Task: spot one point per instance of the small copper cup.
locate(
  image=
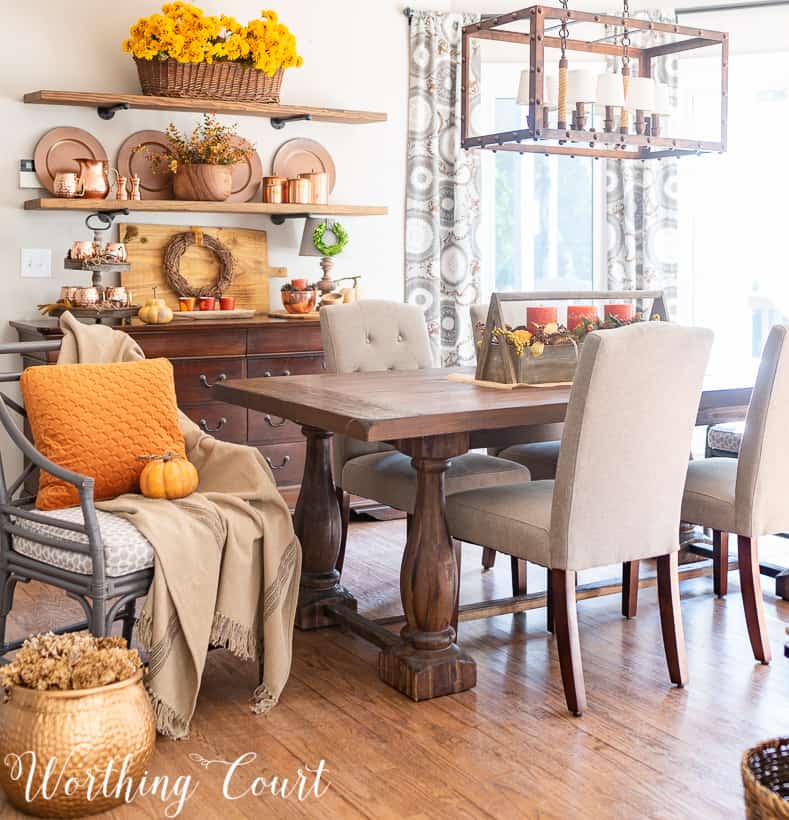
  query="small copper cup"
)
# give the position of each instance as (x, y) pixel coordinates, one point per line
(116, 251)
(82, 250)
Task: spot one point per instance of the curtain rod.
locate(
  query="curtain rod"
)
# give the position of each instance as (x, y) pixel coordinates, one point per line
(752, 4)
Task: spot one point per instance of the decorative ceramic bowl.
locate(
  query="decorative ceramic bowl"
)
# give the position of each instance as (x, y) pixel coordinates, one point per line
(299, 301)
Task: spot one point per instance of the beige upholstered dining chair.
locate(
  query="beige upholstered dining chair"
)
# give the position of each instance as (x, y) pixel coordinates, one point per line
(374, 335)
(618, 486)
(747, 495)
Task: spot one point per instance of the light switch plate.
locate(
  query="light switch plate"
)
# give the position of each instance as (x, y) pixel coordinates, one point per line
(36, 263)
(28, 179)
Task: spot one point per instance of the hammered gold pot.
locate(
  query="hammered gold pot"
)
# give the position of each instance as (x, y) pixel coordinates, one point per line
(80, 730)
(203, 183)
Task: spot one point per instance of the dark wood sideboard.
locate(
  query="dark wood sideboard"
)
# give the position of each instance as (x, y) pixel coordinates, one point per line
(204, 352)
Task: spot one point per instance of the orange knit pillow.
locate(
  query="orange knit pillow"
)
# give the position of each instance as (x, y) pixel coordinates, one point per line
(97, 419)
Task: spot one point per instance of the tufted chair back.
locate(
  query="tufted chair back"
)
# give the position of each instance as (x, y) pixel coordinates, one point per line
(367, 336)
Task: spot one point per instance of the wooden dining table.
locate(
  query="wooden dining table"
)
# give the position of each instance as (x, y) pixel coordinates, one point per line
(432, 418)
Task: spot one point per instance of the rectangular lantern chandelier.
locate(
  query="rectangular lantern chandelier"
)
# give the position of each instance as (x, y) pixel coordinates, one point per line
(617, 114)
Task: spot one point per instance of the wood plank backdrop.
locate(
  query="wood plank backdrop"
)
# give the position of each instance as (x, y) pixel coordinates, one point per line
(146, 243)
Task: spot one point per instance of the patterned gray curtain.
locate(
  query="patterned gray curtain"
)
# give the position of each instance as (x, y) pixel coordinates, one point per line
(641, 200)
(442, 273)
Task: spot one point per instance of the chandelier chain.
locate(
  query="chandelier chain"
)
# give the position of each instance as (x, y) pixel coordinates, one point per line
(625, 33)
(563, 29)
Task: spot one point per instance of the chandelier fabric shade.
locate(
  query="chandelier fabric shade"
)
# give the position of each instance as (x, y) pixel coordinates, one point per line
(575, 129)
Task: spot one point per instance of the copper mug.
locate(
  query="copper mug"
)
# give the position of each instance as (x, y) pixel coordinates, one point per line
(320, 186)
(82, 250)
(93, 174)
(69, 293)
(85, 297)
(115, 251)
(117, 295)
(68, 185)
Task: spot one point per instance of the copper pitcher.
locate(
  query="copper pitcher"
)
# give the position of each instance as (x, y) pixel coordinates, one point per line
(93, 176)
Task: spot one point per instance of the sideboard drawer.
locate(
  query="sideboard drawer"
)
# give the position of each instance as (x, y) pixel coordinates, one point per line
(174, 345)
(263, 428)
(194, 378)
(224, 421)
(286, 461)
(284, 366)
(285, 338)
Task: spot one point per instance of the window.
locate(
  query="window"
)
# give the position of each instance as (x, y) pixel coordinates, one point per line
(542, 213)
(733, 211)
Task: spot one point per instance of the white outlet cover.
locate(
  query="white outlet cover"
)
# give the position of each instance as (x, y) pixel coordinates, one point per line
(36, 263)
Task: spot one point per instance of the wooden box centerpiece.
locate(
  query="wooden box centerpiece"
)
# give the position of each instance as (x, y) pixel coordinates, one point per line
(527, 344)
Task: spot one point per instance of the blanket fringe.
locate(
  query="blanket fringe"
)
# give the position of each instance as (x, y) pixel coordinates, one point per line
(235, 637)
(263, 700)
(168, 722)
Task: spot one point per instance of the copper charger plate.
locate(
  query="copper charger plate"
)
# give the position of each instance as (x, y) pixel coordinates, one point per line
(246, 175)
(131, 162)
(303, 156)
(59, 149)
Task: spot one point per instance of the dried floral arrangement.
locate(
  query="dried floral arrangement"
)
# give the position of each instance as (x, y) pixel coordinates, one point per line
(72, 661)
(211, 143)
(183, 33)
(553, 333)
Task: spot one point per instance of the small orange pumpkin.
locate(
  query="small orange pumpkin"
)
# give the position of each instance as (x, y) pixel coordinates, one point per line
(168, 476)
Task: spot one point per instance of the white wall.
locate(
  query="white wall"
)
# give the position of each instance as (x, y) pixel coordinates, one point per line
(355, 56)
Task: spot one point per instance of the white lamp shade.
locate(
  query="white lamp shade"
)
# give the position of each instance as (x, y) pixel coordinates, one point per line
(581, 86)
(523, 89)
(611, 90)
(551, 93)
(640, 94)
(662, 104)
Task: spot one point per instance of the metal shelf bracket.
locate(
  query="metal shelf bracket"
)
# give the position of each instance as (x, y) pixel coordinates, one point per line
(107, 112)
(280, 122)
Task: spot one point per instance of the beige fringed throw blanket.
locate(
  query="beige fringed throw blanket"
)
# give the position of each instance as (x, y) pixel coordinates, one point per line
(227, 560)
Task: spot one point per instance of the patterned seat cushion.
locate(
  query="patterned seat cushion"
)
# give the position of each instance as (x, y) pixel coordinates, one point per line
(126, 549)
(726, 438)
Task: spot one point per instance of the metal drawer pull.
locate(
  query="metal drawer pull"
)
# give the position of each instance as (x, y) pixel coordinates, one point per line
(271, 423)
(276, 467)
(204, 380)
(203, 425)
(268, 374)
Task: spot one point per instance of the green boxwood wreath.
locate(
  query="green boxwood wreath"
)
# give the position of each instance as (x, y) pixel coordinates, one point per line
(340, 234)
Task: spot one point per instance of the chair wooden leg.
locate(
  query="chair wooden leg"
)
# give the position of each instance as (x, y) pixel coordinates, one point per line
(566, 625)
(671, 618)
(518, 571)
(751, 587)
(344, 500)
(7, 587)
(720, 562)
(488, 558)
(129, 619)
(630, 588)
(458, 547)
(548, 602)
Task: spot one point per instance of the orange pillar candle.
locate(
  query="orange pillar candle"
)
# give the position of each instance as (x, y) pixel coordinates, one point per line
(539, 316)
(622, 312)
(577, 313)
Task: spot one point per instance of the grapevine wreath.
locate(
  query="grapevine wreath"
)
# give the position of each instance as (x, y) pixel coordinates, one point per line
(176, 248)
(340, 234)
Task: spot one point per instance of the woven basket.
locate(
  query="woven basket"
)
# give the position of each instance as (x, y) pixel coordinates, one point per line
(216, 81)
(765, 775)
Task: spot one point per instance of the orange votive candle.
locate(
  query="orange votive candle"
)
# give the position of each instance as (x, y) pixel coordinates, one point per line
(577, 313)
(539, 316)
(622, 312)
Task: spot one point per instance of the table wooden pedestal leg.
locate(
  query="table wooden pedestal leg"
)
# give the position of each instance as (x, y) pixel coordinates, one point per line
(427, 662)
(319, 528)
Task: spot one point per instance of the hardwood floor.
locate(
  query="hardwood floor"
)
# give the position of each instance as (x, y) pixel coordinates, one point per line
(508, 748)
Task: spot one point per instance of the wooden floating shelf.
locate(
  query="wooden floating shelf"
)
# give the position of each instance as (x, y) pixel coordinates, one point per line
(183, 206)
(108, 102)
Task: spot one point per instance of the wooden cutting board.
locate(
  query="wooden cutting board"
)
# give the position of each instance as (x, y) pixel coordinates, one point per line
(145, 245)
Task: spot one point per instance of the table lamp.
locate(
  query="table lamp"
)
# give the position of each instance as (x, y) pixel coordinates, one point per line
(326, 284)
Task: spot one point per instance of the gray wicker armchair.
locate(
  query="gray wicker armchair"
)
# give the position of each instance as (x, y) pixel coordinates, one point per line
(98, 559)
